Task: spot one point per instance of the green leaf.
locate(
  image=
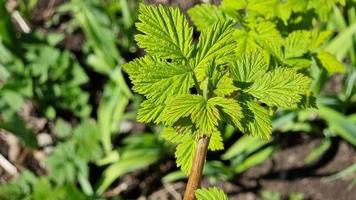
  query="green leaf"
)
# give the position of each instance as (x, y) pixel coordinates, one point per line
(255, 159)
(133, 160)
(232, 5)
(282, 87)
(215, 44)
(261, 35)
(269, 195)
(166, 32)
(173, 176)
(65, 164)
(216, 141)
(318, 151)
(340, 45)
(245, 145)
(172, 136)
(205, 15)
(184, 154)
(297, 44)
(149, 111)
(251, 8)
(212, 193)
(330, 63)
(250, 67)
(261, 7)
(87, 139)
(225, 86)
(203, 113)
(181, 106)
(100, 37)
(257, 121)
(339, 123)
(158, 79)
(62, 129)
(230, 109)
(318, 38)
(186, 146)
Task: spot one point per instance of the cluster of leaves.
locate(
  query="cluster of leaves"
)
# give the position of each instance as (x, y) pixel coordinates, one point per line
(273, 27)
(227, 85)
(249, 61)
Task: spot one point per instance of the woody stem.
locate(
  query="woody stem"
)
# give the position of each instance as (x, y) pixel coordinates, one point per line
(196, 172)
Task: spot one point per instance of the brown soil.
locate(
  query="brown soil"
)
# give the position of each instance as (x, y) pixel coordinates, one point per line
(285, 172)
(289, 174)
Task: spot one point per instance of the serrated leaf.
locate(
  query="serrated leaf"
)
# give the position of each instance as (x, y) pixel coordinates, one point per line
(261, 7)
(166, 32)
(205, 15)
(252, 8)
(330, 63)
(216, 141)
(181, 106)
(206, 117)
(215, 44)
(202, 112)
(297, 44)
(284, 11)
(212, 193)
(232, 5)
(318, 38)
(257, 121)
(282, 87)
(185, 154)
(261, 35)
(297, 63)
(171, 135)
(250, 67)
(225, 86)
(149, 111)
(230, 109)
(158, 79)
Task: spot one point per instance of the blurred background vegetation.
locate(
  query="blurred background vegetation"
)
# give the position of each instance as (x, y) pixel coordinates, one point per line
(67, 114)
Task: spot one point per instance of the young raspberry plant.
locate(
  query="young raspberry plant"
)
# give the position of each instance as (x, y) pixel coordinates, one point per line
(193, 87)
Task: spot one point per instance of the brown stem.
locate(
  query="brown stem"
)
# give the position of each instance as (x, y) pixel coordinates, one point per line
(197, 168)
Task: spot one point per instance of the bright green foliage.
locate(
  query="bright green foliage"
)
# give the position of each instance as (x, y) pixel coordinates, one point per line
(250, 67)
(259, 34)
(216, 45)
(282, 87)
(200, 17)
(212, 193)
(158, 79)
(228, 86)
(258, 28)
(283, 10)
(257, 121)
(330, 63)
(166, 32)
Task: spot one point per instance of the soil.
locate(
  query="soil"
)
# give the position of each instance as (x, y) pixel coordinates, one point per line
(285, 172)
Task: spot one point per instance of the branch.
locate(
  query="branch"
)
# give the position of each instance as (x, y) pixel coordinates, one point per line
(197, 168)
